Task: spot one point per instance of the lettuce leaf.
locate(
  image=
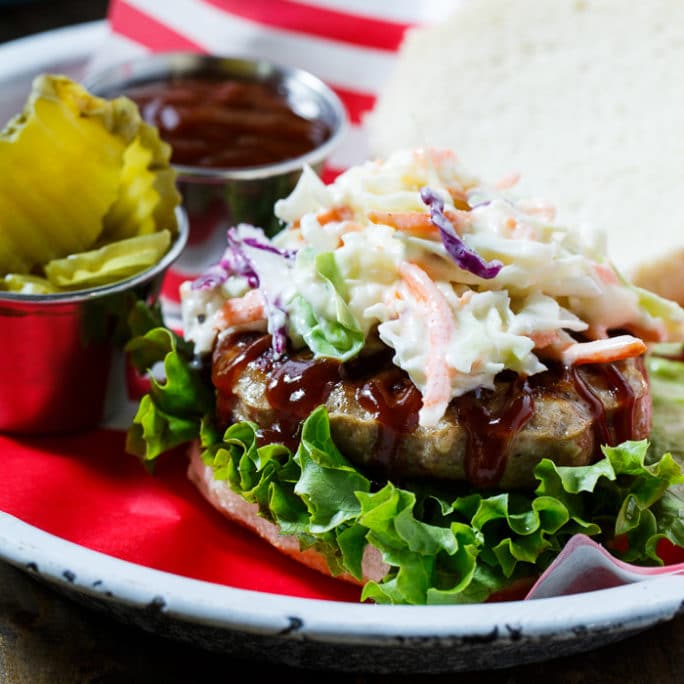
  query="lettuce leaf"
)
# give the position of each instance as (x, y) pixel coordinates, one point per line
(449, 549)
(667, 392)
(172, 412)
(340, 338)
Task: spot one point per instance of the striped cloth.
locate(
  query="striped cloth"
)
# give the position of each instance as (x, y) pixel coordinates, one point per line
(349, 44)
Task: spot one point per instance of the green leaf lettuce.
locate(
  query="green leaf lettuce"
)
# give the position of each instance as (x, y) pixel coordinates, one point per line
(442, 546)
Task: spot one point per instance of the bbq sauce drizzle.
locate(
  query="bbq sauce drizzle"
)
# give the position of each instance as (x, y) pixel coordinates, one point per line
(230, 358)
(394, 402)
(619, 429)
(298, 385)
(490, 432)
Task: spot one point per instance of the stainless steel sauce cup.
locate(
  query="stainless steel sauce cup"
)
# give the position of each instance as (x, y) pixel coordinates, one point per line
(216, 198)
(60, 354)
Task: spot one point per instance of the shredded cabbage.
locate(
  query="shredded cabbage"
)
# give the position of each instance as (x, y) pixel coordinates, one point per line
(505, 287)
(463, 257)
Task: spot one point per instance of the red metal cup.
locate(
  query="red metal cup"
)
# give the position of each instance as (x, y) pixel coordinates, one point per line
(60, 354)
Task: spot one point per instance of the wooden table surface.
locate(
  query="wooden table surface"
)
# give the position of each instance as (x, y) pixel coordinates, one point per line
(47, 639)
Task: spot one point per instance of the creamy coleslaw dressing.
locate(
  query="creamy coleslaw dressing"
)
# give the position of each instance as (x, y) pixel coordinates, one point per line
(451, 329)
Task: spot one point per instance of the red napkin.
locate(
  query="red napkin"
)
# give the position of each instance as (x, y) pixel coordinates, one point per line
(86, 489)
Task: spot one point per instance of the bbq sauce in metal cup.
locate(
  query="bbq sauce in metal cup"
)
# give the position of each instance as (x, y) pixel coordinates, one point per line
(227, 123)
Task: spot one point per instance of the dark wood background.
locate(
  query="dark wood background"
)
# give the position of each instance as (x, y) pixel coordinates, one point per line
(46, 639)
(21, 17)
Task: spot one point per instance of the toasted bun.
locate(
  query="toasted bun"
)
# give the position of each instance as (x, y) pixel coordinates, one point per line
(235, 508)
(580, 97)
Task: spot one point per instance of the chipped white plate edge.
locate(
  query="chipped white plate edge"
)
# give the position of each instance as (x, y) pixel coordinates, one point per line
(627, 608)
(589, 619)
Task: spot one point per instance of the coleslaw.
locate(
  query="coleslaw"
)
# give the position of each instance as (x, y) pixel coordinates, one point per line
(460, 278)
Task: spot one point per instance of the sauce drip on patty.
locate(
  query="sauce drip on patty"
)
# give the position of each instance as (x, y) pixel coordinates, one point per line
(491, 429)
(621, 428)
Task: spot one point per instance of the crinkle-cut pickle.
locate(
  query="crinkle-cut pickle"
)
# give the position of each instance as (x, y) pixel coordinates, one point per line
(26, 284)
(78, 172)
(107, 264)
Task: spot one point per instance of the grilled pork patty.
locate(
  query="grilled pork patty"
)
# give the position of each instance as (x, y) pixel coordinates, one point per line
(489, 437)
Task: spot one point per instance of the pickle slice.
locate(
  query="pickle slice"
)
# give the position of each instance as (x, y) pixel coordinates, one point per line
(26, 284)
(148, 195)
(76, 172)
(108, 264)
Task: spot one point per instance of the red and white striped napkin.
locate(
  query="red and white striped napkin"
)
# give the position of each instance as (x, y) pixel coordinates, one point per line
(349, 44)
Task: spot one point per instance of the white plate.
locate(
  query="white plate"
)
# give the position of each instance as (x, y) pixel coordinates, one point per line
(309, 632)
(335, 635)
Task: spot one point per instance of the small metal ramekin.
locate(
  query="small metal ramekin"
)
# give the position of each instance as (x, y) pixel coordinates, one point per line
(60, 354)
(217, 198)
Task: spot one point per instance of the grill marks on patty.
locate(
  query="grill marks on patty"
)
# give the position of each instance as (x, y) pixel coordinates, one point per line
(489, 437)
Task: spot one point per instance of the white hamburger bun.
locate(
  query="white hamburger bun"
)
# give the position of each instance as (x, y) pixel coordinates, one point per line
(219, 494)
(582, 98)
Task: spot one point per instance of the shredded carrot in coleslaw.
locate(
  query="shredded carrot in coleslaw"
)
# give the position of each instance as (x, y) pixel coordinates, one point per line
(440, 329)
(249, 308)
(603, 351)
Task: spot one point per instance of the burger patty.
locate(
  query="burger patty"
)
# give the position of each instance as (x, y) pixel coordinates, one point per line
(488, 437)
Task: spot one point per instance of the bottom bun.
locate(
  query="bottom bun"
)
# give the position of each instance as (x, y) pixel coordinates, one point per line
(234, 507)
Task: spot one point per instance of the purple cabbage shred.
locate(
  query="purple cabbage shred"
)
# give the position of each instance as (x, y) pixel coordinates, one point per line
(235, 262)
(213, 277)
(463, 256)
(288, 254)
